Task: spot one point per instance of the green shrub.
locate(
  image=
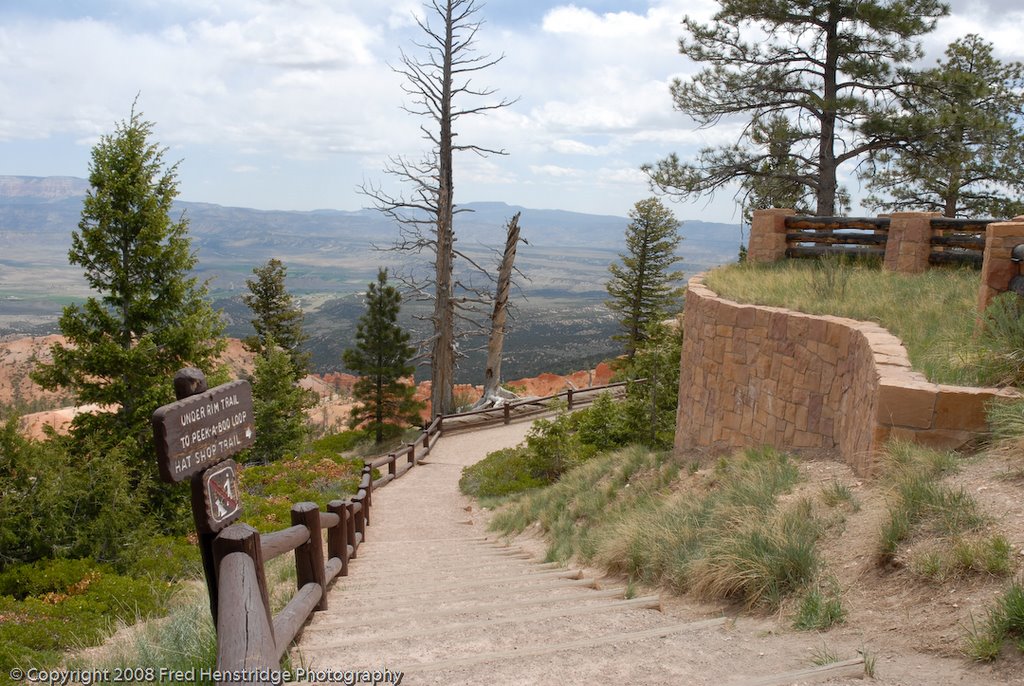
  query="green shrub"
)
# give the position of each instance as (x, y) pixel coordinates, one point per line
(76, 605)
(58, 505)
(318, 475)
(501, 473)
(649, 410)
(341, 442)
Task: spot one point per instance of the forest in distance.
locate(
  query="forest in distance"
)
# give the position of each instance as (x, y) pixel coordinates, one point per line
(561, 323)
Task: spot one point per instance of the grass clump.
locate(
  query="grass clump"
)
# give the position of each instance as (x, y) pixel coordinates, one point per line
(1004, 622)
(932, 313)
(938, 526)
(836, 494)
(185, 639)
(820, 608)
(717, 533)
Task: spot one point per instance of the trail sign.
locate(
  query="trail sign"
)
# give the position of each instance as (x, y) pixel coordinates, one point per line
(199, 431)
(221, 498)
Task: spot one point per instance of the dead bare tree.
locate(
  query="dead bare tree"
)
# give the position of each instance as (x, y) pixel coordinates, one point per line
(435, 81)
(493, 392)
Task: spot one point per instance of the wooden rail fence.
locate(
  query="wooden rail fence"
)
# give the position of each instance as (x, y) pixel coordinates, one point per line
(953, 241)
(250, 639)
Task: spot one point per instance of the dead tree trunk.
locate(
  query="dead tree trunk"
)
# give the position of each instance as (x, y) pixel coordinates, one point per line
(492, 375)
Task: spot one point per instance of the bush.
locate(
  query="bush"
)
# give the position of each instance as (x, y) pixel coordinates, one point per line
(341, 442)
(658, 362)
(501, 473)
(318, 475)
(58, 505)
(64, 604)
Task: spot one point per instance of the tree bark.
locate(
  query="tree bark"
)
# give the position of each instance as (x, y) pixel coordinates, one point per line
(496, 341)
(442, 360)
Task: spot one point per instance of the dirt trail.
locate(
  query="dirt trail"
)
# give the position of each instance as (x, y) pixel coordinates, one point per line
(436, 596)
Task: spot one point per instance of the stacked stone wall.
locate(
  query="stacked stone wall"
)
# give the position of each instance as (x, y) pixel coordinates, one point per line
(754, 375)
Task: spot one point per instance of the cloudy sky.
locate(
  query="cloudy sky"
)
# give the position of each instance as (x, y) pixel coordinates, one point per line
(291, 104)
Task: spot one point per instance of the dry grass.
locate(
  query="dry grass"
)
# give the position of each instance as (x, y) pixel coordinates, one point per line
(932, 313)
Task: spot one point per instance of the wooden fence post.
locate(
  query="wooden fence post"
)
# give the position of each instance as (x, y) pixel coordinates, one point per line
(350, 526)
(507, 409)
(309, 557)
(440, 421)
(568, 396)
(242, 538)
(337, 536)
(391, 464)
(368, 500)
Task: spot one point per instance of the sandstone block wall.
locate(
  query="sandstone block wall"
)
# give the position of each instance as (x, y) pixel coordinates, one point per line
(754, 375)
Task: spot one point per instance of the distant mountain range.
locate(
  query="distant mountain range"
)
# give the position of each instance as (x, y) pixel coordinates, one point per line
(331, 255)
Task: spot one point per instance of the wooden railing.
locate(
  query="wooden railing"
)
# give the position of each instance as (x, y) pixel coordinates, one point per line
(953, 241)
(250, 639)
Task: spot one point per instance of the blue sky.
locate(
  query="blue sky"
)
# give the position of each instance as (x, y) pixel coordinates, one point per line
(290, 104)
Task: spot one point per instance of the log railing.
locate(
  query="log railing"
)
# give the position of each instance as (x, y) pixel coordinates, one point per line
(250, 639)
(953, 241)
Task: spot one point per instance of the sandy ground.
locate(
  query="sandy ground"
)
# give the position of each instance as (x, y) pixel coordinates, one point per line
(434, 595)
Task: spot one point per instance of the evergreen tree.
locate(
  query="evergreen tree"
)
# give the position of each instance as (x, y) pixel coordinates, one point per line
(149, 317)
(964, 147)
(279, 405)
(276, 315)
(381, 358)
(641, 288)
(827, 66)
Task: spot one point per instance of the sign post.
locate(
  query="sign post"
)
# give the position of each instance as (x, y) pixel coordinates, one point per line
(194, 438)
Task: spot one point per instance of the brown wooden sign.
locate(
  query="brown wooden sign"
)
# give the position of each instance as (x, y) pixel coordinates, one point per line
(197, 432)
(220, 498)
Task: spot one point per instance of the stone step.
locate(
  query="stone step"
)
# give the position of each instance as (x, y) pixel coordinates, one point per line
(652, 602)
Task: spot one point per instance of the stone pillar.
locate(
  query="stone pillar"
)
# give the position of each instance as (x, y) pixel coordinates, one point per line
(909, 243)
(997, 270)
(768, 235)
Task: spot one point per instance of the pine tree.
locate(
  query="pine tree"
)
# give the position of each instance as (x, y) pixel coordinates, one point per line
(149, 317)
(964, 147)
(828, 66)
(276, 315)
(641, 288)
(381, 358)
(279, 405)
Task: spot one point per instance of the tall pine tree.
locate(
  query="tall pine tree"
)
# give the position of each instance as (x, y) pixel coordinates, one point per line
(149, 317)
(828, 66)
(642, 288)
(381, 358)
(276, 314)
(964, 141)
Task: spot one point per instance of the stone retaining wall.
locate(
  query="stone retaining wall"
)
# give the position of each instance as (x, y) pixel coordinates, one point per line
(754, 375)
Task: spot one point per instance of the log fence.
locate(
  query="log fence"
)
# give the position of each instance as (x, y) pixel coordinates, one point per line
(952, 241)
(250, 639)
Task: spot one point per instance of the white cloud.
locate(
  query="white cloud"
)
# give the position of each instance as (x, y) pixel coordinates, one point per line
(554, 170)
(571, 147)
